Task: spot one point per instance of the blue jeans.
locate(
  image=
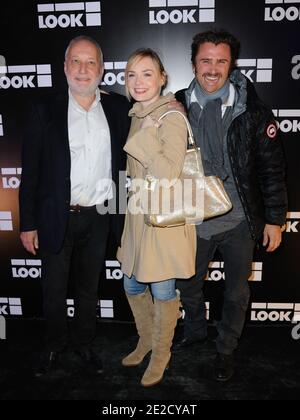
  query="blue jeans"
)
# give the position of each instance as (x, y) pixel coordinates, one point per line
(163, 290)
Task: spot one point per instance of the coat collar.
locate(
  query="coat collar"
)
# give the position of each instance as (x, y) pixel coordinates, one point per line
(139, 112)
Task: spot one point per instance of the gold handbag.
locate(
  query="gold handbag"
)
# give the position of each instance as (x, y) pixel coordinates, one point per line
(191, 199)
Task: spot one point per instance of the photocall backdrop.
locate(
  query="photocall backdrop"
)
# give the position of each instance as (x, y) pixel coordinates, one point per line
(34, 36)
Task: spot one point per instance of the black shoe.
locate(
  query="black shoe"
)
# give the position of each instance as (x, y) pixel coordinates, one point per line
(185, 343)
(224, 367)
(46, 363)
(91, 360)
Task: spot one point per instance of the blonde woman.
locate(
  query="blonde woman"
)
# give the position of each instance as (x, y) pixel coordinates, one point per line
(152, 258)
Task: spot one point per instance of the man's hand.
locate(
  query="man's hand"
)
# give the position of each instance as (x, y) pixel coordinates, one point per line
(30, 241)
(149, 122)
(177, 106)
(272, 237)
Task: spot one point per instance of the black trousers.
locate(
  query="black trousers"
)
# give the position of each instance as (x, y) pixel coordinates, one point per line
(236, 248)
(83, 253)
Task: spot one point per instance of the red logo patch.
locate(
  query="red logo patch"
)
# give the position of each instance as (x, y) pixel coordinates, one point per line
(272, 131)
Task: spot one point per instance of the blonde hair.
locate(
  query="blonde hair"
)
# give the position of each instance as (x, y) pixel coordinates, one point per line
(139, 55)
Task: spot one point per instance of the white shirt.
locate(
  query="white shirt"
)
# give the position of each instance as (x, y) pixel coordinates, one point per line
(90, 145)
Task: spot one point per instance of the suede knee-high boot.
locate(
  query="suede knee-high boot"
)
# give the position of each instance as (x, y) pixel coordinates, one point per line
(143, 310)
(166, 314)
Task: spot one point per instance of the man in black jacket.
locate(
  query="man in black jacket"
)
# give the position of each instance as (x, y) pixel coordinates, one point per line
(72, 155)
(240, 144)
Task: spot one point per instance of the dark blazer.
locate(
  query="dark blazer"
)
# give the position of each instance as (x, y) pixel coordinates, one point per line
(45, 190)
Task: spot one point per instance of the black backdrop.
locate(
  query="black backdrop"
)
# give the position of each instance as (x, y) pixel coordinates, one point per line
(34, 36)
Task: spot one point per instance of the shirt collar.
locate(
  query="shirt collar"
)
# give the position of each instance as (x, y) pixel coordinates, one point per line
(94, 104)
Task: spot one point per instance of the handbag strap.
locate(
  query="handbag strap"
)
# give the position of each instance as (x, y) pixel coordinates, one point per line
(191, 138)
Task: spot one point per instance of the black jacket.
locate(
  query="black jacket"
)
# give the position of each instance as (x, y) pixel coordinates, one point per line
(258, 163)
(45, 190)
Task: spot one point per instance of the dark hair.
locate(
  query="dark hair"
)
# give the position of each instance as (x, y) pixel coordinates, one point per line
(217, 37)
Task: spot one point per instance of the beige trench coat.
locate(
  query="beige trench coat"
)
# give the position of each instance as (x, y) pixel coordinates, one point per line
(156, 254)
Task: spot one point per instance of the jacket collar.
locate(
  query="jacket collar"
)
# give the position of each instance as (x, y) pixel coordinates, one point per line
(139, 112)
(240, 84)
